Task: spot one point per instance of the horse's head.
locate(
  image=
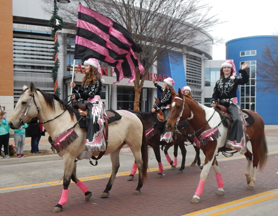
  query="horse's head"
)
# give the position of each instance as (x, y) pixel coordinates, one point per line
(26, 107)
(179, 110)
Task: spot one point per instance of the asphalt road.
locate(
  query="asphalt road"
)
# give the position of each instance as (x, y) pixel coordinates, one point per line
(42, 171)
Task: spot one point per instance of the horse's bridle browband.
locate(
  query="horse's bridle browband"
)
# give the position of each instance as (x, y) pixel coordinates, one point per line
(38, 109)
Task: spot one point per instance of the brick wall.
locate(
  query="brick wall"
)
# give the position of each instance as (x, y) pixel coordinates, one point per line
(6, 48)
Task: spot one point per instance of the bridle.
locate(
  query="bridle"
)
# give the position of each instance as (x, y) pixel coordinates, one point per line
(191, 117)
(38, 109)
(181, 112)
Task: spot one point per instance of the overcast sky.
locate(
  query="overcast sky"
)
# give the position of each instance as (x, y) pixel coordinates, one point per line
(243, 18)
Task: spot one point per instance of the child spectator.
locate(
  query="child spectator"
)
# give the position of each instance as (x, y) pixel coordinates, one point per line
(19, 140)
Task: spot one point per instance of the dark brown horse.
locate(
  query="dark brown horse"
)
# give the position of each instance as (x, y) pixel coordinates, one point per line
(212, 134)
(153, 132)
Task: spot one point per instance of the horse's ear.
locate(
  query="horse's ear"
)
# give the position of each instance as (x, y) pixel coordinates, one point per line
(24, 87)
(180, 94)
(32, 87)
(173, 93)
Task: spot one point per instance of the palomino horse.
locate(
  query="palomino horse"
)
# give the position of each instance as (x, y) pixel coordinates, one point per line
(212, 134)
(58, 118)
(153, 138)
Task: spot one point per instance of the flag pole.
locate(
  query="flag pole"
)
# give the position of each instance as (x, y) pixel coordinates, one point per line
(72, 76)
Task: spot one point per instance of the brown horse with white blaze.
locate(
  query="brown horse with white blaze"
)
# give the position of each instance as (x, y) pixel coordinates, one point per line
(58, 119)
(208, 126)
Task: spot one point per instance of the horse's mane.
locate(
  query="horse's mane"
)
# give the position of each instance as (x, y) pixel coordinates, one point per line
(50, 98)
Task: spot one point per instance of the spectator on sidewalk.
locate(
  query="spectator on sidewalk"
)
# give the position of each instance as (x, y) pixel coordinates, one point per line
(19, 140)
(4, 134)
(34, 131)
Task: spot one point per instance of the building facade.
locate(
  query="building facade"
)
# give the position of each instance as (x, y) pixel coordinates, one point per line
(251, 49)
(33, 61)
(247, 49)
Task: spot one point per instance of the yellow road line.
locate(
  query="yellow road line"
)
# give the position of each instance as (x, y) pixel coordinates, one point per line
(246, 199)
(244, 205)
(102, 176)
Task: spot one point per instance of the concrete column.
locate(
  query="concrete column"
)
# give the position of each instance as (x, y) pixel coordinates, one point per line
(113, 97)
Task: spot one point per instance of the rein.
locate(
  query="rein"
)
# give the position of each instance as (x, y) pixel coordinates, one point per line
(38, 110)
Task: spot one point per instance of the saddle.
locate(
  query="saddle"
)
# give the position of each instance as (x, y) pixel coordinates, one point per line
(112, 115)
(80, 111)
(160, 115)
(225, 117)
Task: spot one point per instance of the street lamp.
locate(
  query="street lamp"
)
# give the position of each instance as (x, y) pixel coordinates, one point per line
(56, 23)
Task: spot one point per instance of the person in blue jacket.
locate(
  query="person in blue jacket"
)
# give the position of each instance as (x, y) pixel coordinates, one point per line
(19, 140)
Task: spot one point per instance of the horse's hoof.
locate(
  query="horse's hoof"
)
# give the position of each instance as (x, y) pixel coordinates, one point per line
(192, 164)
(130, 177)
(88, 195)
(58, 208)
(220, 192)
(250, 187)
(160, 175)
(195, 200)
(180, 172)
(104, 195)
(136, 192)
(173, 167)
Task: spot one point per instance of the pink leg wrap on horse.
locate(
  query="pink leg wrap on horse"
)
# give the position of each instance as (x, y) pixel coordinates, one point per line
(200, 188)
(64, 198)
(160, 166)
(133, 170)
(82, 186)
(219, 180)
(175, 161)
(168, 158)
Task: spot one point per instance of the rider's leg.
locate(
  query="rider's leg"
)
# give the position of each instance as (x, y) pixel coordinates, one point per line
(166, 136)
(236, 139)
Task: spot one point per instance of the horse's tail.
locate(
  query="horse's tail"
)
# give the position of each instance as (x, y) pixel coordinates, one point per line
(144, 151)
(263, 153)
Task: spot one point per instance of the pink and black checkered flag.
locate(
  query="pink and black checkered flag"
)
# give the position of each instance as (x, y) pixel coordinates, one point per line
(101, 38)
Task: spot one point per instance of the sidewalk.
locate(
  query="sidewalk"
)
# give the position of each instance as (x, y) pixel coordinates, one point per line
(45, 146)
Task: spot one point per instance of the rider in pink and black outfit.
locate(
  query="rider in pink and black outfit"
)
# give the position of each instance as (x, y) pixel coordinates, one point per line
(164, 104)
(90, 90)
(225, 92)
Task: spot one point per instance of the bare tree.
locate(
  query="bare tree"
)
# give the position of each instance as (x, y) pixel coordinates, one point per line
(267, 67)
(158, 26)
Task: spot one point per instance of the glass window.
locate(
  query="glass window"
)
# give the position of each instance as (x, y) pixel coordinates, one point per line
(248, 53)
(125, 96)
(252, 91)
(207, 102)
(248, 91)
